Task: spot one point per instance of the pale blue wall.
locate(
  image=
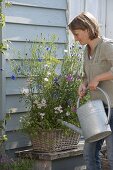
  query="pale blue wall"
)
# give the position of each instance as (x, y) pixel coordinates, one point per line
(24, 20)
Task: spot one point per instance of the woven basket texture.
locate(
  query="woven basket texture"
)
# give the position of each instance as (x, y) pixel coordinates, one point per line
(54, 141)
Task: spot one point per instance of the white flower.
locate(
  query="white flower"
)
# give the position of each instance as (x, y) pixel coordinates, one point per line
(43, 102)
(48, 73)
(46, 66)
(36, 102)
(40, 105)
(46, 79)
(25, 91)
(58, 109)
(42, 115)
(65, 51)
(21, 119)
(67, 114)
(13, 110)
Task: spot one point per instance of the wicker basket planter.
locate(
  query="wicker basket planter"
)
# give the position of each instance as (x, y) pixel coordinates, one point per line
(55, 140)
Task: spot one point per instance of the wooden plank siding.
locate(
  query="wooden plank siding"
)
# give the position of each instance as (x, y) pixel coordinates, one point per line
(25, 20)
(52, 4)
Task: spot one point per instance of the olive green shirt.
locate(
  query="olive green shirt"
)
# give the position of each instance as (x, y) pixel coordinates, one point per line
(100, 62)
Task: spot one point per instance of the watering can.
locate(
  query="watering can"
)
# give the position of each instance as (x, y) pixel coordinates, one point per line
(93, 119)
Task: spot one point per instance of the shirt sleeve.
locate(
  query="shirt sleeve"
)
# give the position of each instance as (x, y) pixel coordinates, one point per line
(109, 53)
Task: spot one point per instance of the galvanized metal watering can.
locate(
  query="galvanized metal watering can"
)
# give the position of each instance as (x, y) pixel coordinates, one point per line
(93, 119)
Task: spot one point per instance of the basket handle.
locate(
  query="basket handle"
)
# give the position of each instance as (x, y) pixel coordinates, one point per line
(108, 102)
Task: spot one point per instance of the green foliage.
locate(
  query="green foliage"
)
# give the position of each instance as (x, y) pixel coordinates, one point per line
(8, 4)
(19, 164)
(3, 47)
(22, 164)
(3, 122)
(3, 44)
(49, 95)
(2, 20)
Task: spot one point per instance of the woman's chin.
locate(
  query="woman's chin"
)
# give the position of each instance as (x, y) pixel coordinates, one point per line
(82, 43)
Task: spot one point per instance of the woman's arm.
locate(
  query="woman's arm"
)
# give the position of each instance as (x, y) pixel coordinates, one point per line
(102, 77)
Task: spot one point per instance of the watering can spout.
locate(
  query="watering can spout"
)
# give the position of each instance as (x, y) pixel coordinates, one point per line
(71, 126)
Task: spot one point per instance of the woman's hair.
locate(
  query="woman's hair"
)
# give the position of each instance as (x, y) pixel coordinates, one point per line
(85, 21)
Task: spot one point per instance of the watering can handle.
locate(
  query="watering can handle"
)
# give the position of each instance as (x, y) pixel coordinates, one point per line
(108, 102)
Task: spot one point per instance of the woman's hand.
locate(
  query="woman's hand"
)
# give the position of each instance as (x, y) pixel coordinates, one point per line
(93, 84)
(82, 90)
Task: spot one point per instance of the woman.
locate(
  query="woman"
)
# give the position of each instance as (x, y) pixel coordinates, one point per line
(98, 71)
